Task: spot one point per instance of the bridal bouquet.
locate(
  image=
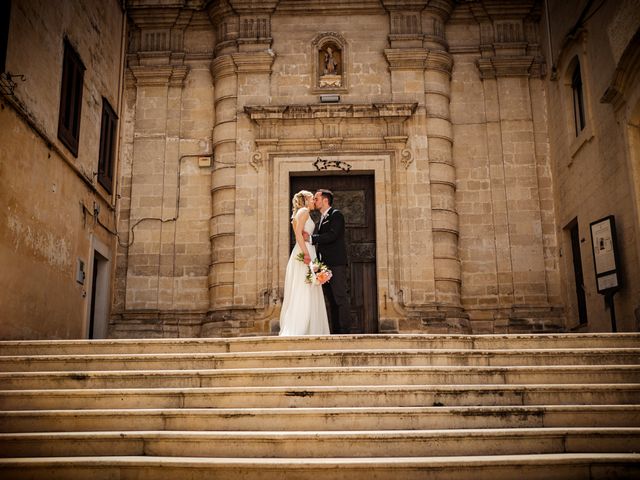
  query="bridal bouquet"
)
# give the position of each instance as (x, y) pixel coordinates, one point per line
(317, 272)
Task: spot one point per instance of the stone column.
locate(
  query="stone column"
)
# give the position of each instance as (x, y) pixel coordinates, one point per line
(223, 186)
(437, 80)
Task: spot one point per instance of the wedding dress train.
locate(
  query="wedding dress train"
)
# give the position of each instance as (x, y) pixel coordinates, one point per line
(303, 310)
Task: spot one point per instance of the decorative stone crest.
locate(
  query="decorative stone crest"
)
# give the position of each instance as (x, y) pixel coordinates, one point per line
(322, 164)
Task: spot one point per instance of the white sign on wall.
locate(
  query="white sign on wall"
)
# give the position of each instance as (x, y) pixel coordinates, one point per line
(605, 253)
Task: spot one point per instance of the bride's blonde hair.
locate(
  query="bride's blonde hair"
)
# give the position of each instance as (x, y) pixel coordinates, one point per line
(298, 201)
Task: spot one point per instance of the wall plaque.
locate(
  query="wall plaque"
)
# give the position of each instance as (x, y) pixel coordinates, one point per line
(605, 254)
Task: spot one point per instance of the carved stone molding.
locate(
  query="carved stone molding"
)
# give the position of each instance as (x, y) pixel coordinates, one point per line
(324, 164)
(418, 59)
(624, 75)
(223, 66)
(256, 160)
(159, 75)
(385, 131)
(406, 58)
(253, 62)
(439, 60)
(527, 66)
(329, 7)
(406, 157)
(298, 112)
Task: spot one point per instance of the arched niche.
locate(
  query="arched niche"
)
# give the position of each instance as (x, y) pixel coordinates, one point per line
(329, 57)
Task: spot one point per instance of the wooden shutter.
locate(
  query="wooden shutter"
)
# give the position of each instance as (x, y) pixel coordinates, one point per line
(107, 145)
(71, 99)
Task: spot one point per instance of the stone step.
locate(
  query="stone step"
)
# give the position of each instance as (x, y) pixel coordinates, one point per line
(397, 406)
(333, 342)
(322, 376)
(318, 396)
(352, 444)
(319, 358)
(319, 419)
(595, 466)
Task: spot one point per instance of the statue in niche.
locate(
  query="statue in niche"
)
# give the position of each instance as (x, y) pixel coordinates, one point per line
(330, 60)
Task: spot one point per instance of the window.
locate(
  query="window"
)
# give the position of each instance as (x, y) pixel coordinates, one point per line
(578, 100)
(5, 13)
(107, 145)
(70, 99)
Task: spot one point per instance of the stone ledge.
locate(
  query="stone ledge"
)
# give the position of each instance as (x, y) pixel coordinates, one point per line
(298, 112)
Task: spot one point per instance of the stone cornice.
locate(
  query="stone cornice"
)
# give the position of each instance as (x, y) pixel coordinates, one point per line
(418, 59)
(297, 112)
(329, 7)
(522, 66)
(172, 75)
(404, 4)
(253, 62)
(159, 17)
(251, 7)
(406, 58)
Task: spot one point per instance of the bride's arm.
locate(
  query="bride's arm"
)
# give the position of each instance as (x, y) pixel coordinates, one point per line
(298, 226)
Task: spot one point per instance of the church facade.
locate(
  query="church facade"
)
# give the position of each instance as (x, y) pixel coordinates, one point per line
(446, 129)
(440, 106)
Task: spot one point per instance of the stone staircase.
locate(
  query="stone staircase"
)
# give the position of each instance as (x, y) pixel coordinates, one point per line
(384, 407)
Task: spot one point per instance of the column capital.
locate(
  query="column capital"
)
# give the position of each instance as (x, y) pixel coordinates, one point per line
(520, 66)
(253, 62)
(222, 66)
(172, 75)
(406, 58)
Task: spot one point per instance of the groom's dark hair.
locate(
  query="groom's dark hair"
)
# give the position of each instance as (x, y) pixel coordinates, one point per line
(328, 194)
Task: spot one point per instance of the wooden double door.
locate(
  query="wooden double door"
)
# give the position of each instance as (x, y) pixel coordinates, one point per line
(354, 196)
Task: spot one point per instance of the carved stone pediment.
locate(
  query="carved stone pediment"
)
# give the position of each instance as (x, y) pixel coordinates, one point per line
(330, 127)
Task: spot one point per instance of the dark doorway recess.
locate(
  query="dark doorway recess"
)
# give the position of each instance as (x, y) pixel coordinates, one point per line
(577, 271)
(354, 196)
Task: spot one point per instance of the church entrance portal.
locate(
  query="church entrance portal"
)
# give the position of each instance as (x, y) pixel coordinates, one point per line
(354, 197)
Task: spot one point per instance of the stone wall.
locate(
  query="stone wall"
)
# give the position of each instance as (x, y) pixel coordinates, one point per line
(596, 171)
(54, 213)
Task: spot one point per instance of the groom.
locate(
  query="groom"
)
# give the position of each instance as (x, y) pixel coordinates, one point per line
(328, 237)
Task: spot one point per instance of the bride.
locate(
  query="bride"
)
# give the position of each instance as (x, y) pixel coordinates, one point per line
(303, 311)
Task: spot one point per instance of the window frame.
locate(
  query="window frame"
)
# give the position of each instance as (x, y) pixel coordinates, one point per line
(72, 85)
(106, 156)
(579, 114)
(5, 22)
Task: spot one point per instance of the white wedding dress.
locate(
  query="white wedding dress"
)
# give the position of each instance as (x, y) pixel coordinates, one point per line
(303, 311)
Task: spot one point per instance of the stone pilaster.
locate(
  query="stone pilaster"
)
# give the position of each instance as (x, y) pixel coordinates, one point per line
(252, 292)
(223, 185)
(241, 70)
(437, 79)
(510, 66)
(421, 66)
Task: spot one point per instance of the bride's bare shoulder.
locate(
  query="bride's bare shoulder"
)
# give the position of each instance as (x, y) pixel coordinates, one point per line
(302, 212)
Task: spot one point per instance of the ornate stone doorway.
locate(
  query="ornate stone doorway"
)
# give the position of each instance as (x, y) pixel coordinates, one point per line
(354, 196)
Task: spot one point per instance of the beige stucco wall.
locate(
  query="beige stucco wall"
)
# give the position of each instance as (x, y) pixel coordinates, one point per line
(596, 172)
(47, 194)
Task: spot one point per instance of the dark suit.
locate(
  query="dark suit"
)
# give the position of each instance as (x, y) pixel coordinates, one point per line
(328, 237)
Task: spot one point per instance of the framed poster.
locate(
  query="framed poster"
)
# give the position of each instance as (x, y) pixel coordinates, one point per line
(605, 254)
